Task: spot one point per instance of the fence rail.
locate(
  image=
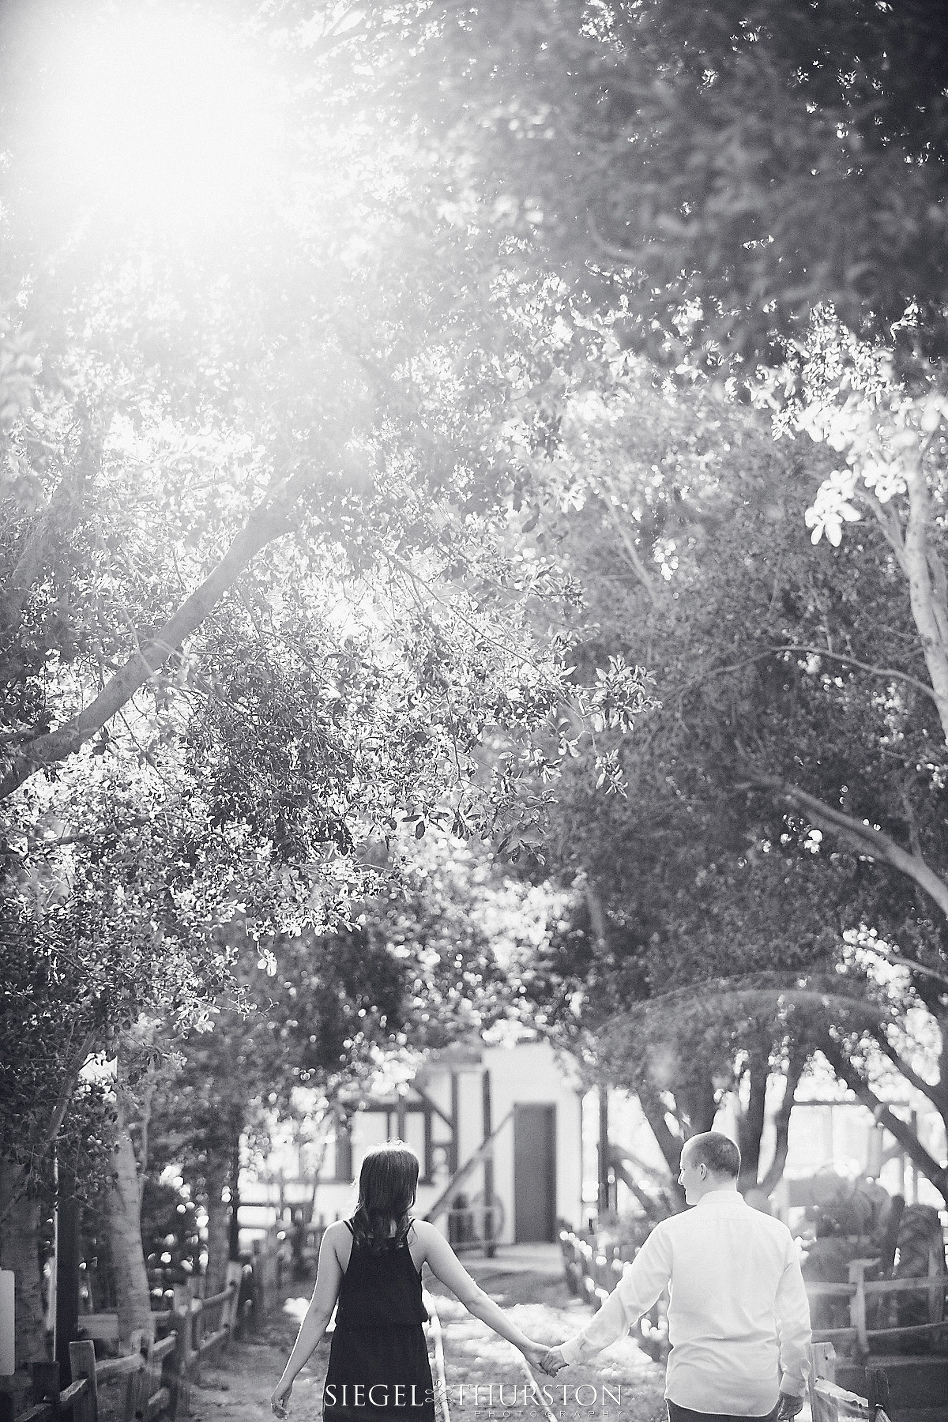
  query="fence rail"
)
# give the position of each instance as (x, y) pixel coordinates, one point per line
(593, 1273)
(831, 1403)
(871, 1303)
(158, 1373)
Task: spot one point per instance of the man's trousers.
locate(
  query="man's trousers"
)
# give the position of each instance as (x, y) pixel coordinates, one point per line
(685, 1414)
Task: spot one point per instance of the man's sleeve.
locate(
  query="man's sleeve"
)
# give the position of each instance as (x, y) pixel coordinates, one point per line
(636, 1291)
(793, 1323)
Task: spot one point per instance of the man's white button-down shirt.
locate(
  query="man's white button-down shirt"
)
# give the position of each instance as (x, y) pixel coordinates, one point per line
(738, 1317)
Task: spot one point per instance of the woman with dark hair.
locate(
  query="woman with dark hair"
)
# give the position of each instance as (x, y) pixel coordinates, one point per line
(371, 1266)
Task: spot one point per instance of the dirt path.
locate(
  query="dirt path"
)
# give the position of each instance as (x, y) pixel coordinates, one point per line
(485, 1376)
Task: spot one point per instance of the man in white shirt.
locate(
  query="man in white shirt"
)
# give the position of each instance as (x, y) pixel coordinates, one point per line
(738, 1317)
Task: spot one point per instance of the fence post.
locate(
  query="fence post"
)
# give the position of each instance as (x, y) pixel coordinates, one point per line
(133, 1388)
(822, 1365)
(45, 1385)
(877, 1387)
(179, 1387)
(82, 1365)
(857, 1303)
(229, 1313)
(197, 1337)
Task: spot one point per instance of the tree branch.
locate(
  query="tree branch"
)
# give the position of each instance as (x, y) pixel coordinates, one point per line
(632, 555)
(866, 838)
(928, 616)
(888, 521)
(268, 521)
(135, 822)
(909, 963)
(654, 1112)
(937, 1095)
(902, 1132)
(815, 651)
(74, 1063)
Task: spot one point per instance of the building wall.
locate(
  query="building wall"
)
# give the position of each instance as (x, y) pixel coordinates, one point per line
(521, 1074)
(526, 1074)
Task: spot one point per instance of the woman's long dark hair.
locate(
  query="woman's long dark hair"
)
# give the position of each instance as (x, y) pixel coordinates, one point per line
(387, 1183)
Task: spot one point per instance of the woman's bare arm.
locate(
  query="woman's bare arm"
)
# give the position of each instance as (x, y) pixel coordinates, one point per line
(445, 1265)
(328, 1278)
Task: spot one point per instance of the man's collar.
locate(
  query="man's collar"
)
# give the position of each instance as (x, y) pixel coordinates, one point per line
(719, 1195)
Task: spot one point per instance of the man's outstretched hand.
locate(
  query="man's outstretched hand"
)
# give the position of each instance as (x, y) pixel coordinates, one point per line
(789, 1406)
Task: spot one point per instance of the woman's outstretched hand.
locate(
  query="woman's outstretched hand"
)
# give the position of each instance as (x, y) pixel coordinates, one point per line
(552, 1361)
(535, 1355)
(280, 1399)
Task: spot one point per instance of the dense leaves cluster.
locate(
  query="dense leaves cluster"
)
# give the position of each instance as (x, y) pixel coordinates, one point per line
(711, 171)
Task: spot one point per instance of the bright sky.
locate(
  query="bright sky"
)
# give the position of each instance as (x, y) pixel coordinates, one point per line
(151, 110)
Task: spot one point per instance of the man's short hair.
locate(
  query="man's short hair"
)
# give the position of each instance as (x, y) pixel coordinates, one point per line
(718, 1152)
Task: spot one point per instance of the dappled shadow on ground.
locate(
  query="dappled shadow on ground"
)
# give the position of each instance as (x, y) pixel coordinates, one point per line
(485, 1376)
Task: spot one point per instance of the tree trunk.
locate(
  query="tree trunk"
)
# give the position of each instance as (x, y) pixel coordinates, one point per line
(928, 609)
(669, 1143)
(218, 1224)
(696, 1103)
(124, 1217)
(19, 1251)
(795, 1066)
(751, 1121)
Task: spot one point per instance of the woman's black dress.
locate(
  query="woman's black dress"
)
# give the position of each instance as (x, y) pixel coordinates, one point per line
(378, 1361)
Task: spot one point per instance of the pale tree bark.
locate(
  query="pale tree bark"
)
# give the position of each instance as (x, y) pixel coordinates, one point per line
(124, 1217)
(19, 1251)
(926, 582)
(669, 1142)
(217, 1175)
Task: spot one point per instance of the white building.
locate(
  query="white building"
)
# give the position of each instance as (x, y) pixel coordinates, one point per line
(498, 1131)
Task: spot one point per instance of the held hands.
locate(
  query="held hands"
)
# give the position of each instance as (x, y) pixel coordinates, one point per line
(544, 1359)
(552, 1361)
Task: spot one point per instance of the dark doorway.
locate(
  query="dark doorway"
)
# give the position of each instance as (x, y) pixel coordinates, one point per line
(534, 1173)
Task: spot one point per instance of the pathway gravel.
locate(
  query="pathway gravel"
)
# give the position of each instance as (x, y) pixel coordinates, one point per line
(485, 1376)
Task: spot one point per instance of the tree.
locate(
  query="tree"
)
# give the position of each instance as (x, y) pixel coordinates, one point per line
(318, 1013)
(712, 172)
(774, 660)
(255, 498)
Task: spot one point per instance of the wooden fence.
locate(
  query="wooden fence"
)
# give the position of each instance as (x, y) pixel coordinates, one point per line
(829, 1403)
(872, 1303)
(155, 1378)
(593, 1274)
